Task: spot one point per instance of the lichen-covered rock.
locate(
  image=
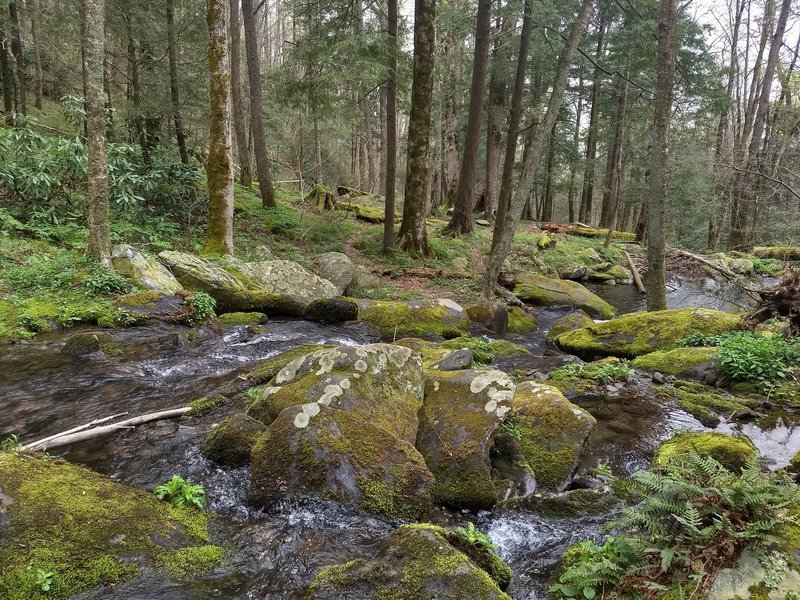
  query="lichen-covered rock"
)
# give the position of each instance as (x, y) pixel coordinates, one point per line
(572, 271)
(747, 579)
(362, 280)
(435, 356)
(416, 562)
(341, 425)
(231, 441)
(553, 433)
(546, 291)
(740, 266)
(492, 315)
(731, 451)
(336, 268)
(87, 530)
(521, 320)
(455, 361)
(419, 317)
(269, 367)
(331, 310)
(143, 270)
(692, 363)
(195, 273)
(289, 278)
(462, 412)
(243, 318)
(82, 344)
(569, 322)
(635, 334)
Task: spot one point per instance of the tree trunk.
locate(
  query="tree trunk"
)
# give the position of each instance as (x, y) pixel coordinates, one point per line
(585, 210)
(504, 197)
(576, 138)
(256, 120)
(239, 122)
(172, 52)
(743, 199)
(98, 246)
(542, 131)
(37, 59)
(16, 50)
(614, 156)
(413, 234)
(547, 198)
(219, 165)
(382, 120)
(140, 132)
(451, 113)
(317, 152)
(390, 172)
(462, 220)
(5, 69)
(665, 73)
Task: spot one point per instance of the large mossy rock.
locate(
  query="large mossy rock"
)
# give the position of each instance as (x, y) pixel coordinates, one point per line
(521, 320)
(731, 451)
(569, 322)
(462, 412)
(291, 279)
(640, 333)
(416, 562)
(337, 268)
(546, 291)
(88, 530)
(553, 433)
(691, 363)
(93, 342)
(436, 356)
(342, 424)
(143, 270)
(415, 318)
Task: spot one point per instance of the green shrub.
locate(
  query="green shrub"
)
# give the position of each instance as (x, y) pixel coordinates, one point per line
(180, 492)
(604, 373)
(202, 305)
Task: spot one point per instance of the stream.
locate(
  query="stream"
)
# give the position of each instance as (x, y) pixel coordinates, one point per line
(274, 555)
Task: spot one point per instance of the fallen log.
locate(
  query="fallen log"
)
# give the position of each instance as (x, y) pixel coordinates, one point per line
(636, 277)
(779, 252)
(712, 265)
(88, 431)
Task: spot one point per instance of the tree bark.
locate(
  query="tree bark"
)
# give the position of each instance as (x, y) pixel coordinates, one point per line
(239, 122)
(585, 210)
(529, 168)
(390, 150)
(98, 246)
(614, 157)
(413, 234)
(665, 73)
(462, 220)
(451, 114)
(547, 199)
(37, 59)
(180, 135)
(219, 165)
(256, 120)
(139, 129)
(5, 68)
(576, 138)
(16, 50)
(504, 197)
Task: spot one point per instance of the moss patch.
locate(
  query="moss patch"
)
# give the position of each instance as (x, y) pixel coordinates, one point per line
(680, 361)
(243, 318)
(206, 404)
(416, 318)
(186, 562)
(732, 451)
(546, 291)
(521, 321)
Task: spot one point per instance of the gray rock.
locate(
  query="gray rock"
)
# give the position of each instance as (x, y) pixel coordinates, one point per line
(230, 442)
(572, 271)
(143, 270)
(362, 280)
(331, 310)
(205, 276)
(482, 223)
(336, 268)
(288, 277)
(741, 266)
(747, 573)
(455, 361)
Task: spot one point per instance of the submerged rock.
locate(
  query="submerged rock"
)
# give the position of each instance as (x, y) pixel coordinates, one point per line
(731, 451)
(419, 317)
(462, 412)
(416, 562)
(552, 433)
(88, 531)
(143, 270)
(82, 344)
(341, 425)
(337, 268)
(243, 318)
(231, 441)
(640, 333)
(540, 290)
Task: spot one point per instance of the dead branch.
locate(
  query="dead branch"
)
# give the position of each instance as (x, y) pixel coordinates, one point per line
(636, 277)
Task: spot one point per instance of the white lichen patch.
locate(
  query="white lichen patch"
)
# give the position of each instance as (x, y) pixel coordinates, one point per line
(327, 360)
(344, 384)
(360, 366)
(487, 378)
(491, 406)
(361, 351)
(311, 409)
(269, 390)
(331, 392)
(446, 302)
(301, 420)
(502, 411)
(289, 372)
(435, 386)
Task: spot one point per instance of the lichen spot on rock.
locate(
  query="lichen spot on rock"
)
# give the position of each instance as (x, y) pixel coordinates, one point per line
(331, 391)
(311, 409)
(288, 372)
(435, 386)
(484, 380)
(491, 406)
(360, 366)
(344, 384)
(450, 304)
(361, 351)
(301, 420)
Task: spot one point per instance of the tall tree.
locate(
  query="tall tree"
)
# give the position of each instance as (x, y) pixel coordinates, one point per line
(256, 118)
(390, 149)
(219, 164)
(576, 137)
(239, 123)
(585, 210)
(656, 209)
(172, 53)
(541, 135)
(5, 68)
(98, 245)
(413, 234)
(462, 220)
(37, 59)
(135, 94)
(450, 125)
(16, 50)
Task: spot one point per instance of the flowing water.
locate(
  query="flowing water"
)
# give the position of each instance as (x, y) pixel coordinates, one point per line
(275, 554)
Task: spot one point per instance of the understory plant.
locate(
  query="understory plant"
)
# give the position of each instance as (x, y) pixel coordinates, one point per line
(181, 492)
(693, 519)
(604, 373)
(473, 537)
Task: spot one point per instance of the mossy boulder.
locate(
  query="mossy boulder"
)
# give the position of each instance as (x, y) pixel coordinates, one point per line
(336, 268)
(484, 349)
(731, 451)
(553, 433)
(416, 318)
(416, 562)
(569, 322)
(94, 342)
(462, 412)
(269, 367)
(143, 270)
(342, 424)
(243, 318)
(87, 530)
(291, 279)
(521, 320)
(492, 315)
(546, 291)
(707, 404)
(566, 505)
(142, 307)
(231, 441)
(691, 363)
(436, 356)
(636, 334)
(331, 310)
(195, 273)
